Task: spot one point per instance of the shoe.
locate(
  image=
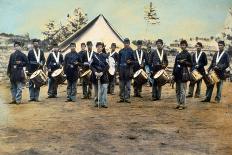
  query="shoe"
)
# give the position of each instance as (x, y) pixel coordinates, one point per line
(188, 96)
(178, 106)
(181, 108)
(37, 100)
(120, 101)
(85, 97)
(197, 96)
(136, 96)
(68, 100)
(104, 106)
(50, 96)
(12, 102)
(127, 101)
(205, 100)
(217, 101)
(154, 99)
(31, 100)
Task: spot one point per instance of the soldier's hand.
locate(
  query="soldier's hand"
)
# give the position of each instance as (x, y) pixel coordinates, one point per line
(17, 62)
(128, 61)
(100, 74)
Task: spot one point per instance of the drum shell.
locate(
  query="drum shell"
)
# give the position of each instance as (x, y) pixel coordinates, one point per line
(60, 79)
(195, 76)
(162, 79)
(39, 80)
(141, 78)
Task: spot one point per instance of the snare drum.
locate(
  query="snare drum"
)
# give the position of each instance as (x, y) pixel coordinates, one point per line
(161, 77)
(87, 74)
(195, 75)
(214, 76)
(59, 76)
(39, 78)
(141, 76)
(211, 78)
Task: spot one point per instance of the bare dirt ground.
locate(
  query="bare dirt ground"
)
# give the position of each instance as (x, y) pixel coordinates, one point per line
(53, 127)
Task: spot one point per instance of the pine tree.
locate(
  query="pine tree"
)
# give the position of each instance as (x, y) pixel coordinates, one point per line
(150, 15)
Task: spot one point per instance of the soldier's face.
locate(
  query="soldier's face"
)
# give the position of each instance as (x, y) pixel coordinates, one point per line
(221, 47)
(139, 46)
(159, 45)
(83, 47)
(36, 44)
(90, 47)
(99, 48)
(198, 47)
(126, 45)
(113, 48)
(183, 46)
(73, 48)
(17, 48)
(55, 49)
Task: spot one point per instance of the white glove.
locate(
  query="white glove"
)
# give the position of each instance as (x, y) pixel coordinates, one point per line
(100, 74)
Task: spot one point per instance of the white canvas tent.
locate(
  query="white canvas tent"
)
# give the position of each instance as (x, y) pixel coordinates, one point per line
(99, 29)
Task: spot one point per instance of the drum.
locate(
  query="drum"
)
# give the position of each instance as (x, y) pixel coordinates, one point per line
(214, 76)
(195, 75)
(141, 76)
(111, 66)
(87, 74)
(39, 78)
(59, 76)
(161, 77)
(211, 78)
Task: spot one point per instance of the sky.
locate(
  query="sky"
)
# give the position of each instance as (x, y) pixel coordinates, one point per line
(178, 18)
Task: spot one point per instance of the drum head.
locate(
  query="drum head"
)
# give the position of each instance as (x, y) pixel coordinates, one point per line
(137, 73)
(158, 74)
(36, 73)
(57, 72)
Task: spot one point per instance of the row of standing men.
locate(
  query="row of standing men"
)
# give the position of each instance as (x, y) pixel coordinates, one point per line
(127, 63)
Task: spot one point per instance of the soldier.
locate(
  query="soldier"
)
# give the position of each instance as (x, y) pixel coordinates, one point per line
(181, 75)
(158, 60)
(55, 61)
(125, 65)
(16, 73)
(141, 62)
(219, 64)
(199, 62)
(86, 60)
(99, 67)
(72, 62)
(36, 60)
(112, 78)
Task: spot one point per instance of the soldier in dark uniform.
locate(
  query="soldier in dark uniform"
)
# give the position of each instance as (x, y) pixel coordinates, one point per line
(16, 73)
(72, 62)
(181, 75)
(86, 60)
(149, 82)
(125, 65)
(158, 60)
(99, 67)
(199, 62)
(220, 62)
(36, 60)
(112, 78)
(141, 62)
(55, 61)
